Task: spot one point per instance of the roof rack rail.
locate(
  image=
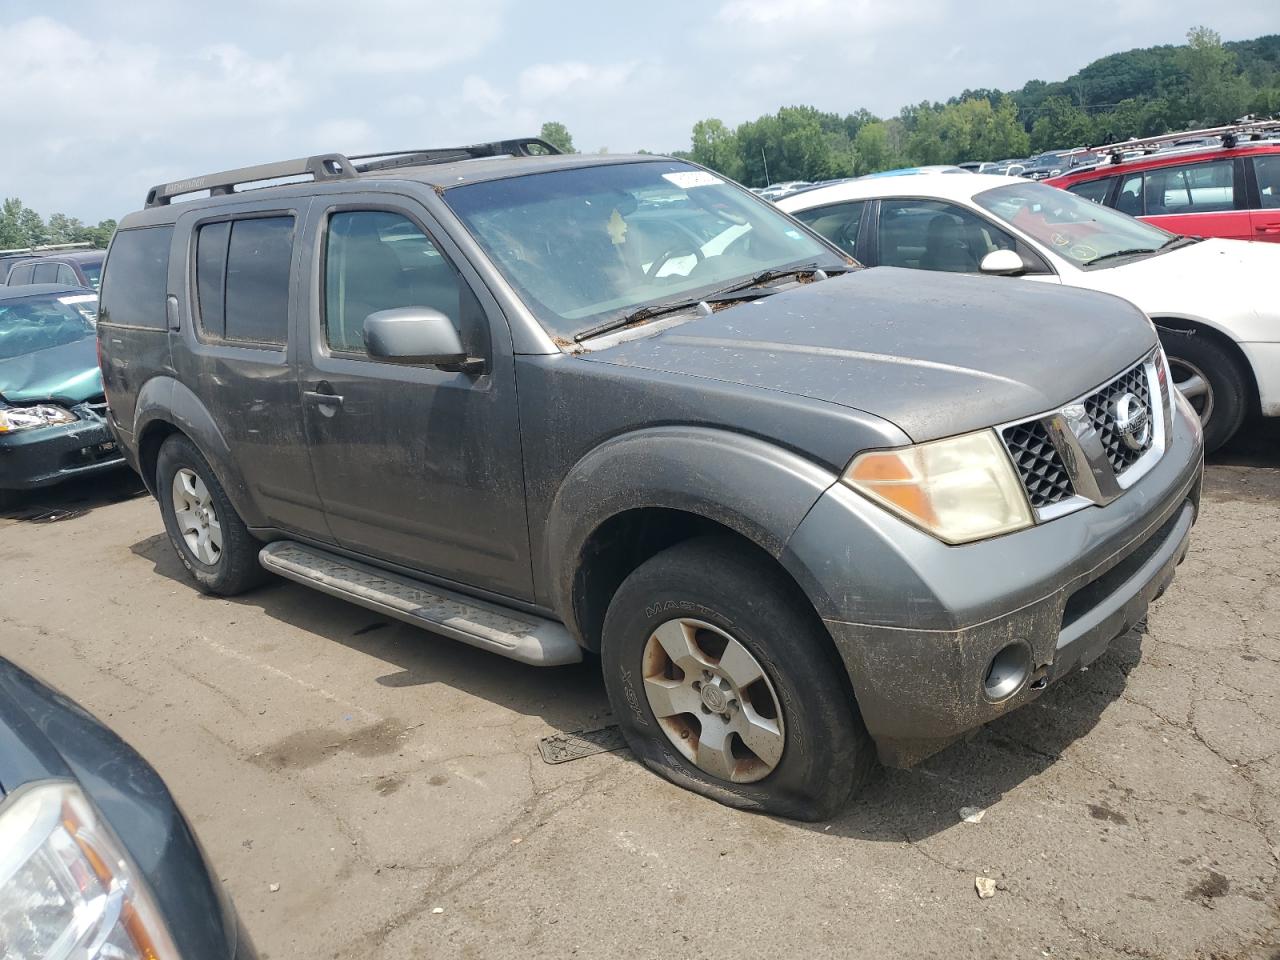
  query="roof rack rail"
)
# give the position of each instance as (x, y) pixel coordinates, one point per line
(47, 248)
(336, 166)
(1229, 134)
(392, 159)
(327, 166)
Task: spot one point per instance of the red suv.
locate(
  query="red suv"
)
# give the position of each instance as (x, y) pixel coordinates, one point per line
(1213, 191)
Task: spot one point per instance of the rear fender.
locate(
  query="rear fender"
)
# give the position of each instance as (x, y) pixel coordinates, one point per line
(166, 400)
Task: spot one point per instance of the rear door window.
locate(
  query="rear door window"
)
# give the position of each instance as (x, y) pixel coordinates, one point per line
(243, 270)
(838, 222)
(45, 273)
(1095, 190)
(1194, 188)
(67, 275)
(136, 277)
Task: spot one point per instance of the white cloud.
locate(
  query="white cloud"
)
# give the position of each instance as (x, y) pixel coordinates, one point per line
(549, 81)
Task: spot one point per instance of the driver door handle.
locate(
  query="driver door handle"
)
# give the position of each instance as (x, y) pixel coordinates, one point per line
(324, 397)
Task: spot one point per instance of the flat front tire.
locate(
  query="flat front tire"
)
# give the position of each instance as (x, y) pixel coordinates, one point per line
(725, 682)
(206, 532)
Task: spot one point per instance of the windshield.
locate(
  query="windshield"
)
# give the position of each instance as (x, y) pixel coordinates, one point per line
(41, 322)
(587, 245)
(1076, 229)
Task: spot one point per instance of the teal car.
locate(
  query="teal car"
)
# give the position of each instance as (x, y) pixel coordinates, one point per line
(52, 408)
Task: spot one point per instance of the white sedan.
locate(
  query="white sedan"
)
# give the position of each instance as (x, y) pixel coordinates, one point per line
(1213, 301)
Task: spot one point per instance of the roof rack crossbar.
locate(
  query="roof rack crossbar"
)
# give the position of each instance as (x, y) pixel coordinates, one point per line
(1230, 134)
(390, 160)
(326, 166)
(336, 166)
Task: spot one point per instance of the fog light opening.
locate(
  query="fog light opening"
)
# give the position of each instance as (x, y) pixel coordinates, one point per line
(1008, 671)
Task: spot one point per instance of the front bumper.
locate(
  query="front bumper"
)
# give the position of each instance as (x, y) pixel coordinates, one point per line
(918, 623)
(48, 455)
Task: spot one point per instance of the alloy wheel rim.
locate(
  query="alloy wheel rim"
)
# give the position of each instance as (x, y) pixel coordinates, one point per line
(198, 523)
(713, 700)
(1194, 385)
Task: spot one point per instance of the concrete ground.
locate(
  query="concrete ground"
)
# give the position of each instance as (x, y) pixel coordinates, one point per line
(389, 780)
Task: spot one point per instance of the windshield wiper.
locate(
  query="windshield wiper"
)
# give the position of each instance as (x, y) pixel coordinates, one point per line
(1135, 251)
(649, 311)
(1180, 241)
(750, 289)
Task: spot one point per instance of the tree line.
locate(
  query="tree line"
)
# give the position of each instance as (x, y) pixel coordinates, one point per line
(21, 228)
(1138, 93)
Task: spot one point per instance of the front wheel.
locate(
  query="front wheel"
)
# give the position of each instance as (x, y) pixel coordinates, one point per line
(724, 683)
(206, 532)
(1212, 380)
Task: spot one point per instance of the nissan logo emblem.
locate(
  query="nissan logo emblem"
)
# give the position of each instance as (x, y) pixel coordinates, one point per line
(1133, 422)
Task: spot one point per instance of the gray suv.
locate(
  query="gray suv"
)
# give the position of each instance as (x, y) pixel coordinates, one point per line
(806, 514)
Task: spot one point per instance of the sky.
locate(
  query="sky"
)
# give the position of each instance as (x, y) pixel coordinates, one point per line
(101, 99)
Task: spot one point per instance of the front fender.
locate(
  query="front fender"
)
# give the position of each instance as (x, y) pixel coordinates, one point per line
(755, 488)
(166, 400)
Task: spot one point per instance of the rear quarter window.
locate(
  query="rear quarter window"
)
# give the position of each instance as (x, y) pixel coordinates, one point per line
(135, 278)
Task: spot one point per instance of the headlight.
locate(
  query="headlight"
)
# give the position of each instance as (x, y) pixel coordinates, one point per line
(25, 418)
(959, 490)
(67, 889)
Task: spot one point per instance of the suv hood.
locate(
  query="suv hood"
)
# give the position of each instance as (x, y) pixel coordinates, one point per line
(66, 374)
(935, 354)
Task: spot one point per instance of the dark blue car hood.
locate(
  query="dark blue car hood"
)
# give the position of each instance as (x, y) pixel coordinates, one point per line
(66, 374)
(44, 736)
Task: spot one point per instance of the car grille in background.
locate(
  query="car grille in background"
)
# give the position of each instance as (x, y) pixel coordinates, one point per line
(1101, 410)
(1044, 476)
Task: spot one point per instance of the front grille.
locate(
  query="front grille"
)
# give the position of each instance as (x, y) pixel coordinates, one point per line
(95, 409)
(1100, 407)
(1044, 476)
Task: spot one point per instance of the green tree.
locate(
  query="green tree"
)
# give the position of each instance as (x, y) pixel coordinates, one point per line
(1061, 124)
(716, 146)
(557, 134)
(1217, 93)
(871, 149)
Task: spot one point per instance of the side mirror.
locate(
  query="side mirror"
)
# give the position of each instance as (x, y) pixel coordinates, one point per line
(417, 335)
(1002, 263)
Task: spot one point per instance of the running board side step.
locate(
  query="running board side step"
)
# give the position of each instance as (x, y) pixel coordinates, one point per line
(510, 633)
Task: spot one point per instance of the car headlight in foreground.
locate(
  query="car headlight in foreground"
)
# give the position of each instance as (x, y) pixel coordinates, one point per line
(25, 418)
(67, 888)
(959, 489)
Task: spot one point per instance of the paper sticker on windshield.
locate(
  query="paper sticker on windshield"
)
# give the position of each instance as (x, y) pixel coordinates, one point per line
(79, 298)
(685, 179)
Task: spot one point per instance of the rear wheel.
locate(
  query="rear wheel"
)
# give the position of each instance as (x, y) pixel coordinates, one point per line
(1213, 382)
(206, 532)
(724, 683)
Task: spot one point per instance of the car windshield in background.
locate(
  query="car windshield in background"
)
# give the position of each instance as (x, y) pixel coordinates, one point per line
(40, 322)
(586, 245)
(1079, 230)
